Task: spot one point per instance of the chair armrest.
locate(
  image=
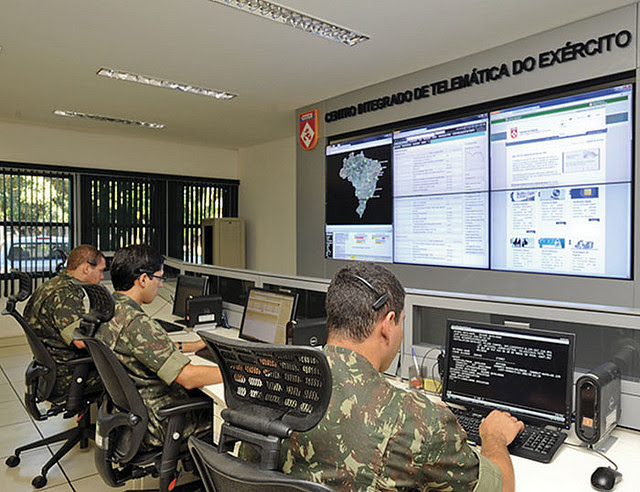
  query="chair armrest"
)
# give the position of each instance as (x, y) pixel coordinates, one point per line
(184, 406)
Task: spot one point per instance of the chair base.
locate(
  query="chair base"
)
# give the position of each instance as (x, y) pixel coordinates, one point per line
(79, 434)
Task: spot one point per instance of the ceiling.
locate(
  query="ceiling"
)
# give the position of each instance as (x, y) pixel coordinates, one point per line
(51, 50)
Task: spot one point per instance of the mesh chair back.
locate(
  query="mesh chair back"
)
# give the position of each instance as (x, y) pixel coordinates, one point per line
(270, 385)
(124, 396)
(41, 372)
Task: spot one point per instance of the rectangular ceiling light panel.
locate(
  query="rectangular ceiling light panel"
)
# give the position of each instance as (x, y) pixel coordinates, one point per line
(299, 20)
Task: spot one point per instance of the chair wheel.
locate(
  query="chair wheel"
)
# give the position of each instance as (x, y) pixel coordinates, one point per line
(12, 461)
(39, 482)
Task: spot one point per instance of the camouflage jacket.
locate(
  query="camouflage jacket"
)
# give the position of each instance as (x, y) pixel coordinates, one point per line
(150, 357)
(53, 312)
(375, 436)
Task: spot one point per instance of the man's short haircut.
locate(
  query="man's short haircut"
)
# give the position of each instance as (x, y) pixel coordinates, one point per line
(131, 262)
(83, 253)
(350, 301)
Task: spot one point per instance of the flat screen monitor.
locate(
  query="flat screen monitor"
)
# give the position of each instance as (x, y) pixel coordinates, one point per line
(561, 185)
(526, 372)
(187, 286)
(266, 315)
(358, 205)
(441, 193)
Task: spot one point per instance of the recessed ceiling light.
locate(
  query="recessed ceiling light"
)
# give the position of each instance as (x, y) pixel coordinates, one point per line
(108, 119)
(299, 20)
(167, 84)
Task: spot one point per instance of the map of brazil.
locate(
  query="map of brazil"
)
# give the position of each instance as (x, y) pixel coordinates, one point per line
(363, 173)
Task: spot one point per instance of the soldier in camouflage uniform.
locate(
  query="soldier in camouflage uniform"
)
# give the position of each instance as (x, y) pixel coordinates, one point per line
(375, 436)
(54, 311)
(161, 372)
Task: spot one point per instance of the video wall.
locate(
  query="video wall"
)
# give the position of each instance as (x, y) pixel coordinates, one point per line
(542, 187)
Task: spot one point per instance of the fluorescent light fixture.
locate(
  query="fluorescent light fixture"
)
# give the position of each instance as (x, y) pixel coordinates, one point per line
(299, 20)
(167, 84)
(108, 119)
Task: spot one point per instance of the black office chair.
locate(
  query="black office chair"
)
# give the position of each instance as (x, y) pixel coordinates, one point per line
(40, 379)
(122, 416)
(270, 391)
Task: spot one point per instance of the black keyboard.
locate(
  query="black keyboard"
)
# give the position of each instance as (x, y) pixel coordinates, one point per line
(534, 443)
(168, 326)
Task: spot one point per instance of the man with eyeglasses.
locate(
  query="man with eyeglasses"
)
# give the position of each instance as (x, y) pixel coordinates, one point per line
(55, 309)
(162, 373)
(375, 436)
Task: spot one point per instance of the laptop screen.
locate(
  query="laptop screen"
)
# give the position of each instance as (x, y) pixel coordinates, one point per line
(266, 315)
(526, 372)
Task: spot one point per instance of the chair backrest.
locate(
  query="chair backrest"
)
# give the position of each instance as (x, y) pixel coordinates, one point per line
(122, 436)
(40, 377)
(270, 392)
(223, 473)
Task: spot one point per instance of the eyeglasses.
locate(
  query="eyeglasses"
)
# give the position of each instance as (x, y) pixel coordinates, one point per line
(150, 274)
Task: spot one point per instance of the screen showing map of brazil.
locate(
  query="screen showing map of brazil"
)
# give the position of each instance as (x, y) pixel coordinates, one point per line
(359, 199)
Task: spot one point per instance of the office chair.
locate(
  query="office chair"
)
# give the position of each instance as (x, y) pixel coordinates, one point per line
(40, 379)
(270, 391)
(122, 417)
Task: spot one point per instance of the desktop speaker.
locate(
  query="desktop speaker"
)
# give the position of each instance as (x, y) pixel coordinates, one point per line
(204, 309)
(598, 403)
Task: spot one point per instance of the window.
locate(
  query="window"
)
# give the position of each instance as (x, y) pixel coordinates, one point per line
(119, 211)
(193, 201)
(36, 211)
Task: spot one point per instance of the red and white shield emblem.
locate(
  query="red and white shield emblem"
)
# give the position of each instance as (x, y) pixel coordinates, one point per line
(514, 132)
(308, 129)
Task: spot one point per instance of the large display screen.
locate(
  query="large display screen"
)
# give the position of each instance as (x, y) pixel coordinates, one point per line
(440, 193)
(358, 208)
(544, 187)
(561, 173)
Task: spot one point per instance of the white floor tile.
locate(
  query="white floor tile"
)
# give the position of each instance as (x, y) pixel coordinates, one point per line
(19, 478)
(16, 435)
(12, 412)
(78, 463)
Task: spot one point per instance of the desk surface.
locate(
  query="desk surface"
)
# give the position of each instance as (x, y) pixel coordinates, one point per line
(570, 469)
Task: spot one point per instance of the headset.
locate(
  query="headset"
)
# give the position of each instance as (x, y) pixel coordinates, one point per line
(381, 299)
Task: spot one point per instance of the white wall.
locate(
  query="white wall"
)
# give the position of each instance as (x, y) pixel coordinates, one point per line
(267, 175)
(43, 145)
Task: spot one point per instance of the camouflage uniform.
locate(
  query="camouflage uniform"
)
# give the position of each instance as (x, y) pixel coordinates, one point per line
(153, 362)
(53, 312)
(378, 437)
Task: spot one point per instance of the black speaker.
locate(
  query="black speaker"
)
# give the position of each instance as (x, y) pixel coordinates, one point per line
(598, 403)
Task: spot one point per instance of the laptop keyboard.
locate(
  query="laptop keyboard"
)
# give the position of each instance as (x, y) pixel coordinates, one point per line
(534, 443)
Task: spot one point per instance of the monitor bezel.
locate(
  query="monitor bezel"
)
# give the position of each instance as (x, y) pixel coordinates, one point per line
(525, 417)
(180, 282)
(294, 310)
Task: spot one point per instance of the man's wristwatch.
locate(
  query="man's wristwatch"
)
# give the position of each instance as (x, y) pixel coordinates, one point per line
(180, 346)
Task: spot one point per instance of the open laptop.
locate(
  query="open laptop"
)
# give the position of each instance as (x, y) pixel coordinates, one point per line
(526, 372)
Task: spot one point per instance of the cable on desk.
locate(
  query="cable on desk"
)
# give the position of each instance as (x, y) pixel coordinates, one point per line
(422, 371)
(591, 448)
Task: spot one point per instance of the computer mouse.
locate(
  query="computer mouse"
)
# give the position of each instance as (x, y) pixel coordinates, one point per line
(605, 478)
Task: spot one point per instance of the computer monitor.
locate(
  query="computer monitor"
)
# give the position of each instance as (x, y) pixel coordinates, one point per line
(526, 372)
(187, 286)
(266, 314)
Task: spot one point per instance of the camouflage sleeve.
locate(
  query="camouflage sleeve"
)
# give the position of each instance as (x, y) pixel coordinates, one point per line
(63, 310)
(432, 448)
(490, 476)
(151, 345)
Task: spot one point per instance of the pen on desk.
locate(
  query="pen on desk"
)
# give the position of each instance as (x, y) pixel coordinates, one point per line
(415, 379)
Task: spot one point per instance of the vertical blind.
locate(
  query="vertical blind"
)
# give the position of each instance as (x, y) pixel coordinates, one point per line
(119, 211)
(194, 201)
(36, 213)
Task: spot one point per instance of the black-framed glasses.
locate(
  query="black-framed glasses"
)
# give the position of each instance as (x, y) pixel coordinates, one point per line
(150, 274)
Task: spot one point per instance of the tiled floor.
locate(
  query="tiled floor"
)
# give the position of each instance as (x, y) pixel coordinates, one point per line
(76, 471)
